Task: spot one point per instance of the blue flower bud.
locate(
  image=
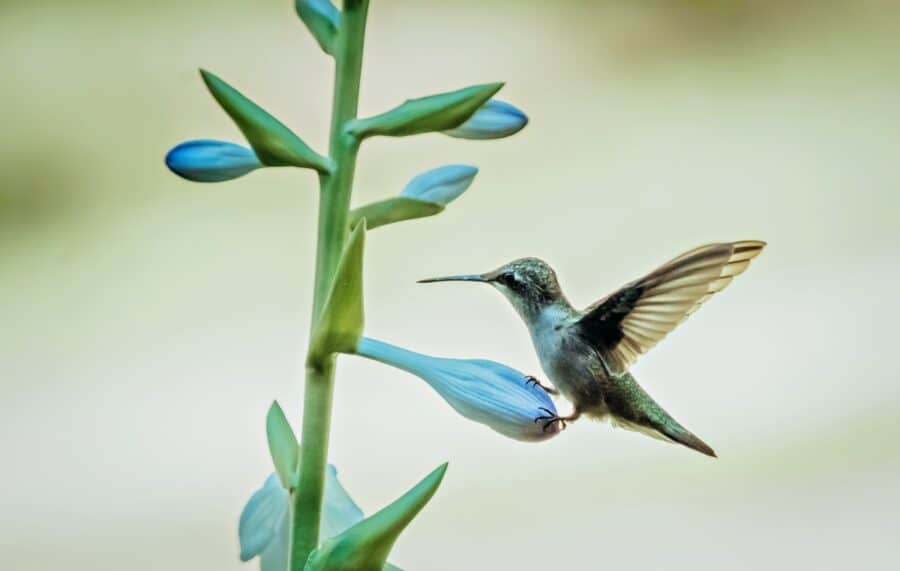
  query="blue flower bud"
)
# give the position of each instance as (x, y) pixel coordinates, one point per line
(442, 185)
(211, 161)
(493, 120)
(264, 527)
(484, 391)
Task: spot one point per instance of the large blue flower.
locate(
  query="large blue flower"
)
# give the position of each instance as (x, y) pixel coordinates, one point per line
(264, 526)
(491, 393)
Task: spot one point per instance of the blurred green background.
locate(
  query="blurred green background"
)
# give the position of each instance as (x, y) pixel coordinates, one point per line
(149, 322)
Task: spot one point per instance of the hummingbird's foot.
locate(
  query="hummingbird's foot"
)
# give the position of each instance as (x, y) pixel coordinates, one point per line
(550, 418)
(549, 390)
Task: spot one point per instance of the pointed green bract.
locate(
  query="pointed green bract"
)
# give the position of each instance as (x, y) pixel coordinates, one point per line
(272, 141)
(322, 19)
(283, 446)
(365, 546)
(426, 114)
(392, 210)
(341, 323)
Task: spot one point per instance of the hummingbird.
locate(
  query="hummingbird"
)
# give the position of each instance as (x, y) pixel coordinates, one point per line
(586, 353)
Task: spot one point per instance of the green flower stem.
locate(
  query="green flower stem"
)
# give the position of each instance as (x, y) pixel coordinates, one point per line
(336, 188)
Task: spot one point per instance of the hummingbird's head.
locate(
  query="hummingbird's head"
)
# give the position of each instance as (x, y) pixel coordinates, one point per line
(528, 283)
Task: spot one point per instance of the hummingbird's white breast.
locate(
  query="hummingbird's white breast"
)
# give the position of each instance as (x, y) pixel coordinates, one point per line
(563, 356)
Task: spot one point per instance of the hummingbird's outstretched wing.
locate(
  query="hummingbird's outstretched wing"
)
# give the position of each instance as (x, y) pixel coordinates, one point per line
(629, 322)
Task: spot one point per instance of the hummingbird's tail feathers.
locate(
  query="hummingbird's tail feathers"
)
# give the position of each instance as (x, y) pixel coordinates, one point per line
(630, 407)
(690, 440)
(634, 319)
(669, 431)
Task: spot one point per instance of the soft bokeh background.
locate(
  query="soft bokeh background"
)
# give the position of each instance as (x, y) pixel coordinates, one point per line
(148, 322)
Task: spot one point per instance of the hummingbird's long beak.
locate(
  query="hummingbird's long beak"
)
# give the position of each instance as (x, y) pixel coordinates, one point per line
(461, 278)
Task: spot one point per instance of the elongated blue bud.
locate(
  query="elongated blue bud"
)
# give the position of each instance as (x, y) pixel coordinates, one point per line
(484, 391)
(425, 195)
(493, 120)
(205, 160)
(442, 185)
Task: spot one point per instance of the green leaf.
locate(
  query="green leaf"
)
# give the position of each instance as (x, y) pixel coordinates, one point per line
(283, 446)
(426, 114)
(322, 19)
(341, 323)
(365, 546)
(392, 210)
(272, 141)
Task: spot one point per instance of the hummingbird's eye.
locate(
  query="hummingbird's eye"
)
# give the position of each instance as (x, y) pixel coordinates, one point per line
(508, 279)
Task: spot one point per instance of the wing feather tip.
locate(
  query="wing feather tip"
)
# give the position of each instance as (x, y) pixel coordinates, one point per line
(749, 248)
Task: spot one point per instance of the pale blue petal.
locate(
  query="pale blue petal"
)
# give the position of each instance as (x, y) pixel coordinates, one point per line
(262, 519)
(442, 185)
(264, 525)
(211, 161)
(484, 391)
(340, 512)
(275, 556)
(493, 120)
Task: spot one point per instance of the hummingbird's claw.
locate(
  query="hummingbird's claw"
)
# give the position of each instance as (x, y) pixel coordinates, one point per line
(549, 390)
(549, 418)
